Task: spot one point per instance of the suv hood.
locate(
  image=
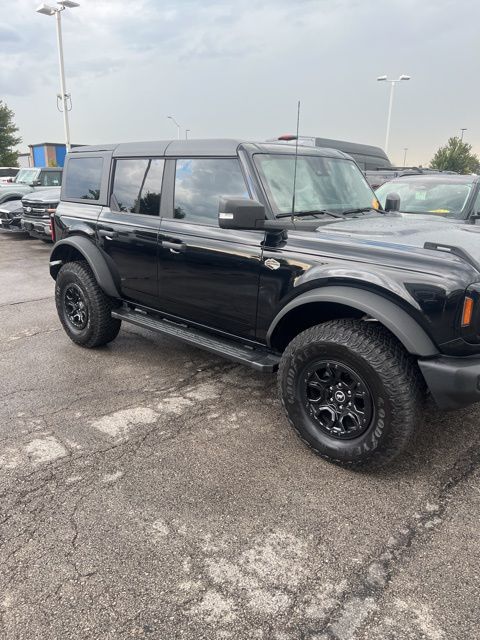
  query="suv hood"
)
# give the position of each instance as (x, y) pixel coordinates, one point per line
(50, 194)
(403, 230)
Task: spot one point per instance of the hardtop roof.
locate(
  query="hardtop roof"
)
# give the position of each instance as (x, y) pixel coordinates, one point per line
(221, 147)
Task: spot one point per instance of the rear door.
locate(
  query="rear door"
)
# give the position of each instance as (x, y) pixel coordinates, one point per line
(128, 228)
(207, 275)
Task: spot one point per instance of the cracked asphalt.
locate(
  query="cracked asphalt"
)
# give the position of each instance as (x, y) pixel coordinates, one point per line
(151, 490)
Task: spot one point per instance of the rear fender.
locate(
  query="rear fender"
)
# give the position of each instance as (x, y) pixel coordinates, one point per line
(100, 263)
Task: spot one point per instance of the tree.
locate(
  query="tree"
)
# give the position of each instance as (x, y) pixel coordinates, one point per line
(8, 139)
(456, 156)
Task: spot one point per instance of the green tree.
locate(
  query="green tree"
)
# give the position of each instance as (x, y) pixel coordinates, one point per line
(8, 139)
(457, 156)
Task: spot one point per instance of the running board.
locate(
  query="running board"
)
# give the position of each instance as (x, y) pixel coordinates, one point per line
(256, 358)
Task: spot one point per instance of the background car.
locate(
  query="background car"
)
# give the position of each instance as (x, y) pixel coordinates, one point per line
(448, 195)
(37, 208)
(28, 180)
(7, 174)
(11, 215)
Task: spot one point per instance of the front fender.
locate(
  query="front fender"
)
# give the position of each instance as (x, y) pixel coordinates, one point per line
(399, 322)
(99, 262)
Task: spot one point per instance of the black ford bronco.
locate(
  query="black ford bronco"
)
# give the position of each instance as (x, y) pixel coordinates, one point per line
(361, 310)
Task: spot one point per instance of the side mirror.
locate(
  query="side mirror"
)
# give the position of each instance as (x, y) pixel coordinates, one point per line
(240, 213)
(393, 202)
(36, 183)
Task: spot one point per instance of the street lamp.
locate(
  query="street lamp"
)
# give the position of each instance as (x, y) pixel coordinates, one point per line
(462, 130)
(177, 125)
(47, 10)
(405, 157)
(187, 131)
(390, 104)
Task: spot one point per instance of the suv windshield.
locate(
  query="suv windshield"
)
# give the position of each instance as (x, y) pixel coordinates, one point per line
(322, 183)
(27, 176)
(430, 195)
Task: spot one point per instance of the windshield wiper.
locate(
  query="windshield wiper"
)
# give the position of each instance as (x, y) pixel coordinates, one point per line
(301, 214)
(359, 210)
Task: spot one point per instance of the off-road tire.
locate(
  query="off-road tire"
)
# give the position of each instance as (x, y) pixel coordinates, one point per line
(392, 375)
(100, 327)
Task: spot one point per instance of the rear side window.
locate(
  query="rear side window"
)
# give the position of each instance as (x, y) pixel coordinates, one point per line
(51, 178)
(199, 184)
(137, 185)
(83, 178)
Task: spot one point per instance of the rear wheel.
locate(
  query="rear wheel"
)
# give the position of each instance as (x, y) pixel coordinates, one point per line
(351, 392)
(83, 308)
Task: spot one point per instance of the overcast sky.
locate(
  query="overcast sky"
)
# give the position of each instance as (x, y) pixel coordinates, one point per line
(236, 68)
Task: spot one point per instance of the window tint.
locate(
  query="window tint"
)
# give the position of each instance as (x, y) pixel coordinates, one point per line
(83, 178)
(137, 186)
(51, 178)
(199, 184)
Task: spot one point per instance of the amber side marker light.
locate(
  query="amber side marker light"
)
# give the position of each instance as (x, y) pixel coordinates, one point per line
(467, 312)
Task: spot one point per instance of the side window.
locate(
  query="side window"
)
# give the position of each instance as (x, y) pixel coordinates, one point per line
(199, 184)
(51, 178)
(137, 185)
(476, 206)
(83, 178)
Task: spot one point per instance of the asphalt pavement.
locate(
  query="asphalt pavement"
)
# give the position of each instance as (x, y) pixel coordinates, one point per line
(151, 490)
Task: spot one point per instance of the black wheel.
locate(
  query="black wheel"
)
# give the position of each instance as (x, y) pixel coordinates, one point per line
(351, 392)
(83, 308)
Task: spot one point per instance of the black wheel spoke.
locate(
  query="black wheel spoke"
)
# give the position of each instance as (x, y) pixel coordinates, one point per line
(75, 306)
(338, 399)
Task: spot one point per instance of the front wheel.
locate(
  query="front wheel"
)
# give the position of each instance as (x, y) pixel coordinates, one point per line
(351, 392)
(83, 308)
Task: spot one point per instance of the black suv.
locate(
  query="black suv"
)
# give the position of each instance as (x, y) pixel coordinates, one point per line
(196, 240)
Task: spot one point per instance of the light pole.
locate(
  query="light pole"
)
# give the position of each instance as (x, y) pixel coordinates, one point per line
(462, 130)
(47, 10)
(177, 125)
(390, 104)
(405, 149)
(187, 131)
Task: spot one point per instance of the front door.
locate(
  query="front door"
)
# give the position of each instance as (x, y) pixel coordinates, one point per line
(128, 229)
(208, 275)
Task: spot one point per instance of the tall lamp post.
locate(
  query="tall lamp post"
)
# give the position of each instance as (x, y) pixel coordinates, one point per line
(405, 149)
(176, 124)
(463, 131)
(47, 10)
(390, 104)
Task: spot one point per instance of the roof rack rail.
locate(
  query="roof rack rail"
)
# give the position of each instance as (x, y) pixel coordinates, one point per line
(453, 250)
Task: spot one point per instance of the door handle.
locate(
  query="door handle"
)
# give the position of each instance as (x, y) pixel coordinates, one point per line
(108, 234)
(175, 247)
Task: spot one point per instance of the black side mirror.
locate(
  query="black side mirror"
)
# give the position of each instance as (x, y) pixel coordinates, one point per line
(240, 213)
(393, 202)
(36, 183)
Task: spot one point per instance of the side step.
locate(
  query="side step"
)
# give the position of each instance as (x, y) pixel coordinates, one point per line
(257, 359)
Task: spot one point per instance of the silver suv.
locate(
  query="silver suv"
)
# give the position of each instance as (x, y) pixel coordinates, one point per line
(28, 180)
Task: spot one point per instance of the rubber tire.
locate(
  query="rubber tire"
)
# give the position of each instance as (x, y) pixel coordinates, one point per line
(101, 327)
(392, 375)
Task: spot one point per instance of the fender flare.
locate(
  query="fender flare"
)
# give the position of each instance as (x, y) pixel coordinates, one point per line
(407, 330)
(12, 196)
(97, 261)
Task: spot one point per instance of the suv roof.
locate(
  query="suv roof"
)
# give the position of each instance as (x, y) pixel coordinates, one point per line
(208, 147)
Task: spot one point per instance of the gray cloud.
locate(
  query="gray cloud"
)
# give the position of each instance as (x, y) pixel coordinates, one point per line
(237, 68)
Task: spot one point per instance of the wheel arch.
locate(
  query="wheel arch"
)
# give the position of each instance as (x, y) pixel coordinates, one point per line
(338, 302)
(81, 248)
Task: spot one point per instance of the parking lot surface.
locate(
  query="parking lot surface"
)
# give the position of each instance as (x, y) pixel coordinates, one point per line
(151, 490)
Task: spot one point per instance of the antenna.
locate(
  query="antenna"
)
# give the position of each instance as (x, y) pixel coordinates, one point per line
(295, 165)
